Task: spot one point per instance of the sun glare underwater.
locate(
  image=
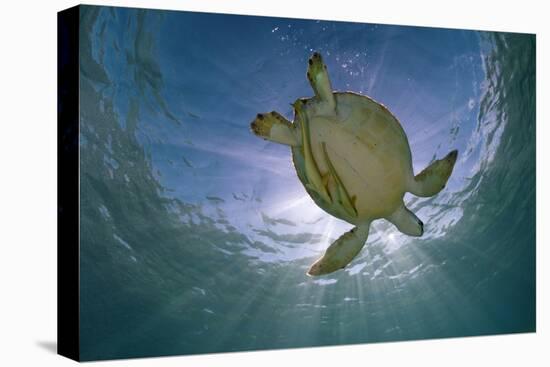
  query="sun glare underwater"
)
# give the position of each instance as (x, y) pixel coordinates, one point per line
(196, 235)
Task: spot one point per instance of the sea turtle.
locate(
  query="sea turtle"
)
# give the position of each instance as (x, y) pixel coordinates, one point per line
(353, 157)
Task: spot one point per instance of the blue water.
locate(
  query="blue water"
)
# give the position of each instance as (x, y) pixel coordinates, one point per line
(196, 235)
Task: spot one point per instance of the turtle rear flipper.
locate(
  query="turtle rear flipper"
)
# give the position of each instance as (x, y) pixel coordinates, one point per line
(274, 127)
(317, 75)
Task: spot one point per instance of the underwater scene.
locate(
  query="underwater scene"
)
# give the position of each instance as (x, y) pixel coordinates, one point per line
(196, 235)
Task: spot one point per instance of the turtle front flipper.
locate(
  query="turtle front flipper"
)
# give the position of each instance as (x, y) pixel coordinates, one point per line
(342, 251)
(433, 178)
(317, 75)
(274, 127)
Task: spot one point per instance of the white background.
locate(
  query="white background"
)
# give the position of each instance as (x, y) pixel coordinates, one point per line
(28, 183)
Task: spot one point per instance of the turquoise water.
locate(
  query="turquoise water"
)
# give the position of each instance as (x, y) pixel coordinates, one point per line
(196, 235)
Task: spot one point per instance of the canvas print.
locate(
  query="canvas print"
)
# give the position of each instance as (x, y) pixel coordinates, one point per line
(255, 183)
